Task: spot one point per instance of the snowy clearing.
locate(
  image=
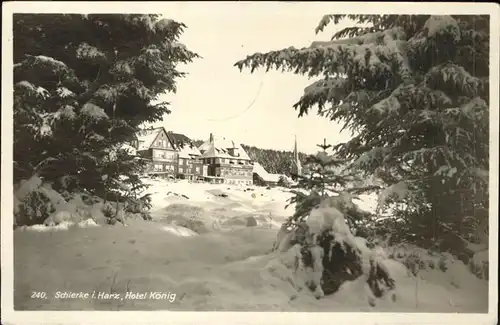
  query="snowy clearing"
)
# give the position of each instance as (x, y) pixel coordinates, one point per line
(224, 264)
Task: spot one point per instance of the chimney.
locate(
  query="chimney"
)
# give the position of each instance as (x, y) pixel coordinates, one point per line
(211, 139)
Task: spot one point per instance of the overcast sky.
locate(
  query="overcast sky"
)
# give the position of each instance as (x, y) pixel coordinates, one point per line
(254, 109)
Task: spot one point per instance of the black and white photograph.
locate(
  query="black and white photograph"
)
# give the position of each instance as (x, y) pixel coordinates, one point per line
(316, 158)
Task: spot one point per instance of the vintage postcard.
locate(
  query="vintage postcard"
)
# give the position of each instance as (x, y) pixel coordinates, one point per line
(249, 162)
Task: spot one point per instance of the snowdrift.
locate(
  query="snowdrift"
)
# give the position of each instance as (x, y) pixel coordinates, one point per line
(224, 271)
(233, 267)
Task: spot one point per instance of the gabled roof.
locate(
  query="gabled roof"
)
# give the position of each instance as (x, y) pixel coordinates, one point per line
(183, 144)
(220, 147)
(147, 137)
(178, 139)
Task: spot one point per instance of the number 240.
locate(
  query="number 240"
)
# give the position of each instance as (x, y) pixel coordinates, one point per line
(38, 295)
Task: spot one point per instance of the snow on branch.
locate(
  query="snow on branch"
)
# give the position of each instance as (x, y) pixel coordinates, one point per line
(358, 19)
(440, 25)
(43, 65)
(396, 191)
(42, 60)
(64, 92)
(433, 156)
(372, 53)
(388, 35)
(373, 157)
(325, 21)
(94, 112)
(144, 21)
(91, 53)
(331, 90)
(25, 86)
(27, 89)
(123, 68)
(389, 105)
(454, 76)
(169, 28)
(67, 112)
(106, 93)
(475, 108)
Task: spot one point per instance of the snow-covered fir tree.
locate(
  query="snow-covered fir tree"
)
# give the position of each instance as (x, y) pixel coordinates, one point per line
(327, 176)
(322, 229)
(83, 84)
(414, 91)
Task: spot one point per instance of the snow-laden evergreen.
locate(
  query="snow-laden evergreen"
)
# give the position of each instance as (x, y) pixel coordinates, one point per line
(83, 84)
(414, 91)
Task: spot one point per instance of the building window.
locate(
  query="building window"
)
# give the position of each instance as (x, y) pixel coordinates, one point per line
(164, 154)
(158, 154)
(158, 167)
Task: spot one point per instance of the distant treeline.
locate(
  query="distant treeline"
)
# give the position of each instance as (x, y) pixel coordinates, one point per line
(273, 161)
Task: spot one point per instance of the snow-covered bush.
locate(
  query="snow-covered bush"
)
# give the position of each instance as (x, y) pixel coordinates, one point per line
(140, 205)
(34, 209)
(36, 202)
(416, 259)
(479, 264)
(328, 254)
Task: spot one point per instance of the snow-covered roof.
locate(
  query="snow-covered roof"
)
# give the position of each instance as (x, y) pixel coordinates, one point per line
(184, 145)
(272, 178)
(188, 151)
(146, 138)
(178, 139)
(220, 147)
(262, 172)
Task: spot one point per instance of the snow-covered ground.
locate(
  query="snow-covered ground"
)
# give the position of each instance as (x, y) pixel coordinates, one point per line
(226, 265)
